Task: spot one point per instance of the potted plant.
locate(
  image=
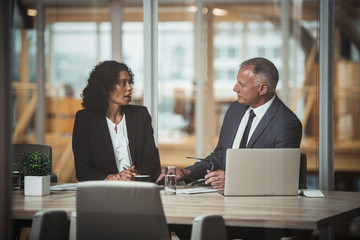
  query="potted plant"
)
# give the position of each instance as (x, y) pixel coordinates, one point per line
(36, 168)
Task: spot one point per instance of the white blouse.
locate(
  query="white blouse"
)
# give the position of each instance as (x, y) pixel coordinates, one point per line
(120, 142)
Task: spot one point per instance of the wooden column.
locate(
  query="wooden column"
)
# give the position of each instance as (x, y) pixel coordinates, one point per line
(22, 93)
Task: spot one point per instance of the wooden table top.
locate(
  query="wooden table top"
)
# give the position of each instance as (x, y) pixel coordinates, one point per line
(295, 212)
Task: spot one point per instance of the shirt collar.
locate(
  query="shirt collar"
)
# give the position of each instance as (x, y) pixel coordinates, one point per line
(260, 111)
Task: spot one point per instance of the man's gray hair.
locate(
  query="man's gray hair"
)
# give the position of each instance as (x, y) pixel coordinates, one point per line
(265, 68)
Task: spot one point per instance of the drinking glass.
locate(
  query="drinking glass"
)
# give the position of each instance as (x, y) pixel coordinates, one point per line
(16, 177)
(170, 180)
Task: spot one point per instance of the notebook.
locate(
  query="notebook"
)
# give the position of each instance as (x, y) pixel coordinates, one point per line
(259, 171)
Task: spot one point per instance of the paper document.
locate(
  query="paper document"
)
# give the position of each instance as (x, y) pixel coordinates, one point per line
(64, 187)
(312, 193)
(195, 190)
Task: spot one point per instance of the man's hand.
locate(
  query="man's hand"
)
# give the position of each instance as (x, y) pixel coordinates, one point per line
(216, 179)
(179, 175)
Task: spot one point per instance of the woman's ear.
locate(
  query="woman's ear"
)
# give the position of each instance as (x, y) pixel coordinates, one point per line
(263, 88)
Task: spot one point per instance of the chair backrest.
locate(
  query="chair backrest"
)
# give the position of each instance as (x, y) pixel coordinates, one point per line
(122, 210)
(208, 227)
(72, 234)
(303, 171)
(50, 224)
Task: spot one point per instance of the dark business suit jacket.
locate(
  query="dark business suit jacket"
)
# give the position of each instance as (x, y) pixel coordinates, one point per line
(278, 128)
(93, 150)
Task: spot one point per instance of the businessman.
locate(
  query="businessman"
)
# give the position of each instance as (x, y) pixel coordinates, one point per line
(258, 119)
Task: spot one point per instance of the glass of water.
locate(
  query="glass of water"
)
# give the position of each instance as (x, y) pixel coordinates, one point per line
(170, 180)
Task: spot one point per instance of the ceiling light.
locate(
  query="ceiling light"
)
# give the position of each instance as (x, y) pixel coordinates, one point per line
(191, 9)
(31, 12)
(219, 12)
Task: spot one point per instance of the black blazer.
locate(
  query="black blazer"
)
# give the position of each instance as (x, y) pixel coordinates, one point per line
(278, 128)
(93, 150)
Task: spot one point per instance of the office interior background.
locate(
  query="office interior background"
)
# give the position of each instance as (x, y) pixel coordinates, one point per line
(198, 56)
(185, 61)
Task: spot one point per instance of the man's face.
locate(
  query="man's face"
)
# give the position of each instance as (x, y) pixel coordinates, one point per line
(247, 87)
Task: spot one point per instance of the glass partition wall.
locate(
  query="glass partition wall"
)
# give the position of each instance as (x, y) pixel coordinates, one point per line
(286, 32)
(77, 36)
(200, 47)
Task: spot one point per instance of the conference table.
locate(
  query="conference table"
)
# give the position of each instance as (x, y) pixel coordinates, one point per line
(286, 212)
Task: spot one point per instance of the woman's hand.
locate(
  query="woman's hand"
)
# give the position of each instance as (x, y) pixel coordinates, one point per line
(124, 175)
(113, 177)
(127, 174)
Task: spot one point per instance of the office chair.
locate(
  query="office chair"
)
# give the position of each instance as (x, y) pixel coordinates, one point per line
(30, 148)
(122, 210)
(50, 224)
(72, 234)
(208, 227)
(303, 171)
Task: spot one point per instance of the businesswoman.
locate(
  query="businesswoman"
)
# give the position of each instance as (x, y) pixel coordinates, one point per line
(113, 140)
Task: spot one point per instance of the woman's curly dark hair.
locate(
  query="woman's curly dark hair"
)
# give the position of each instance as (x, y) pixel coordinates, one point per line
(101, 82)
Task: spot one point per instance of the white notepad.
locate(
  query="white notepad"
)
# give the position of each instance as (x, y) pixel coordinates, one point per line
(195, 190)
(64, 187)
(312, 193)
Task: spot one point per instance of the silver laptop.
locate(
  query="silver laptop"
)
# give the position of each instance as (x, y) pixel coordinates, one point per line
(260, 171)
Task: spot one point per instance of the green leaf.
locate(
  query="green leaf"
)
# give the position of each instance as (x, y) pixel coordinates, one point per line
(35, 164)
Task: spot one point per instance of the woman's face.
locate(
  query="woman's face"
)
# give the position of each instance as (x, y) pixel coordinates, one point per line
(121, 94)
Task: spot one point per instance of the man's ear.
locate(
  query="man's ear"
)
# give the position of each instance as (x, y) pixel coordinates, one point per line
(263, 88)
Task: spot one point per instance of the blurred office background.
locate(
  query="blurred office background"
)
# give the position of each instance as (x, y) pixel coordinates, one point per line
(200, 45)
(185, 56)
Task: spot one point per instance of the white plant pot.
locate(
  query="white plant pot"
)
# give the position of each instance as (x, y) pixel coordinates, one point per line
(37, 185)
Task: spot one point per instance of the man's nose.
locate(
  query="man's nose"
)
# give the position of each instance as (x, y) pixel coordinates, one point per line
(236, 88)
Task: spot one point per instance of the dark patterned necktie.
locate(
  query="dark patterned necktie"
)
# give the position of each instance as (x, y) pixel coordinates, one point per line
(247, 130)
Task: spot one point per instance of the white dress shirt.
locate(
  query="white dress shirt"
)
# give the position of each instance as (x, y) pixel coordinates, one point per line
(259, 112)
(120, 142)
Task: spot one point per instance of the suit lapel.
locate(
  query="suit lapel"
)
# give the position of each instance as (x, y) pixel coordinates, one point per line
(266, 119)
(103, 140)
(235, 120)
(230, 129)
